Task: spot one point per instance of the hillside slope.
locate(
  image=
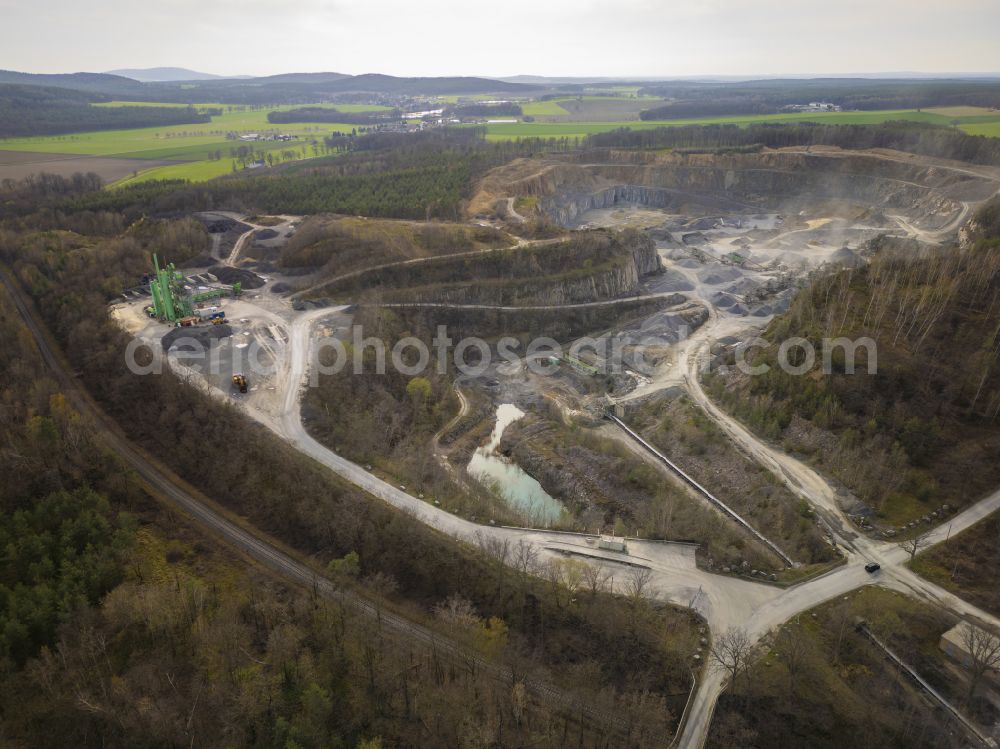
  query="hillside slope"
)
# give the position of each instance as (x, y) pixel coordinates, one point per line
(922, 431)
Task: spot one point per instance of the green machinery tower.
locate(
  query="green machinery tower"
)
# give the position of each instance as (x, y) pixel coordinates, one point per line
(169, 301)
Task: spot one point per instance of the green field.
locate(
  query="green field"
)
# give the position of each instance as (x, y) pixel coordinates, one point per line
(553, 108)
(548, 108)
(991, 129)
(190, 145)
(973, 121)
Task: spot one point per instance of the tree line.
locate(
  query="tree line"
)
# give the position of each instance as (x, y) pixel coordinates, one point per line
(914, 137)
(330, 114)
(36, 110)
(700, 99)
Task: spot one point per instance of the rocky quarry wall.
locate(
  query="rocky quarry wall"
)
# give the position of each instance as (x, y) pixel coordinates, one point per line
(607, 274)
(782, 181)
(592, 266)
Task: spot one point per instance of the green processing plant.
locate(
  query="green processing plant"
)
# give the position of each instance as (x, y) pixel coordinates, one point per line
(169, 299)
(173, 300)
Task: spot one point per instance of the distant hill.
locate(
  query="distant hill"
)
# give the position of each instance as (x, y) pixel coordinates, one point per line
(451, 85)
(544, 80)
(378, 83)
(114, 86)
(155, 75)
(302, 78)
(288, 88)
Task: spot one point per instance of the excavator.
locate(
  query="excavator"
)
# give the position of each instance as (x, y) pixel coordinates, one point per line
(240, 382)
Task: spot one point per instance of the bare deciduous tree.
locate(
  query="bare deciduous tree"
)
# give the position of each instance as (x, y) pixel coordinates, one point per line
(497, 553)
(637, 583)
(794, 653)
(596, 579)
(525, 558)
(567, 574)
(457, 610)
(913, 545)
(731, 653)
(984, 654)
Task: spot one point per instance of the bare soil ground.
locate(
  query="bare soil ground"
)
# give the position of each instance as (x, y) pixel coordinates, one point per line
(21, 164)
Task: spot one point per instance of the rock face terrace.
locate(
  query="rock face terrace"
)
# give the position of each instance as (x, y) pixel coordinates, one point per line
(583, 269)
(933, 191)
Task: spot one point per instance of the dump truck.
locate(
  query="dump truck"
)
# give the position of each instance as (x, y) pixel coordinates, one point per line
(240, 382)
(187, 322)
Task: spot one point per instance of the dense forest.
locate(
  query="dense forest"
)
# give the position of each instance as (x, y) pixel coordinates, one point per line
(902, 439)
(64, 539)
(418, 191)
(506, 109)
(35, 110)
(915, 137)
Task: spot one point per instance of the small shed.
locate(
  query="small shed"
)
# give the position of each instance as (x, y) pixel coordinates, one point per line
(612, 543)
(953, 642)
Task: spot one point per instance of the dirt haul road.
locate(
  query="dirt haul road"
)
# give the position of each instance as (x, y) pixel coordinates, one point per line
(725, 602)
(822, 497)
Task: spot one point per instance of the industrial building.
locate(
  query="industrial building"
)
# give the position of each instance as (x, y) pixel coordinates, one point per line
(177, 301)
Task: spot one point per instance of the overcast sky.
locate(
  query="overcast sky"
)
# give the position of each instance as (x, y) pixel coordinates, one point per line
(504, 37)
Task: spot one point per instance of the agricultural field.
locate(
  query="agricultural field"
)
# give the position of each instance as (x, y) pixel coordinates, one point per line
(590, 108)
(459, 98)
(991, 129)
(203, 151)
(973, 120)
(549, 108)
(196, 151)
(20, 164)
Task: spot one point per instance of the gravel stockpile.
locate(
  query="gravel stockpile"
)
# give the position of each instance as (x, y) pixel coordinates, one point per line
(227, 275)
(197, 338)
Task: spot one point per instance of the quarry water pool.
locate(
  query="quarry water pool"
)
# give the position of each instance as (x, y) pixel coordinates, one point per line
(507, 478)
